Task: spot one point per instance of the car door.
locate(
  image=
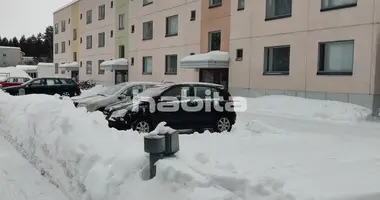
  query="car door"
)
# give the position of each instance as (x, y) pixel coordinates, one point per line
(169, 108)
(35, 87)
(203, 101)
(51, 86)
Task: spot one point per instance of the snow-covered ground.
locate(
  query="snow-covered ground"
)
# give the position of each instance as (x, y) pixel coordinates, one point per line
(93, 91)
(19, 180)
(282, 148)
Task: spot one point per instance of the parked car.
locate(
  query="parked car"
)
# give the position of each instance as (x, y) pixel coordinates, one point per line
(143, 116)
(111, 95)
(49, 86)
(13, 81)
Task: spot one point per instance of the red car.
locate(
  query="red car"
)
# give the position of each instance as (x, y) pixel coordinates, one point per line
(13, 81)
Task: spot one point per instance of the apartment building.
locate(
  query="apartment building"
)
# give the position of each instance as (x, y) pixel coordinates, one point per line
(320, 49)
(83, 39)
(161, 34)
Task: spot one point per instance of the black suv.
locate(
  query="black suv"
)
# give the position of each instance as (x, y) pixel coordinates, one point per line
(196, 106)
(49, 86)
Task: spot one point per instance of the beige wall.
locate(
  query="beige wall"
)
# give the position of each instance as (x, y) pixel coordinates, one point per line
(302, 31)
(59, 16)
(187, 41)
(95, 54)
(215, 19)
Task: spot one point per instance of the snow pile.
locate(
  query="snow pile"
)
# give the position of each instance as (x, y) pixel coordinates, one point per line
(87, 160)
(6, 72)
(307, 108)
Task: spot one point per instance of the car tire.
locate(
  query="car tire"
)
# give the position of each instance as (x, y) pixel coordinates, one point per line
(142, 126)
(66, 94)
(223, 124)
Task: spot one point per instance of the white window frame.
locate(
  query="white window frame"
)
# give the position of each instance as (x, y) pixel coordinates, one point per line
(89, 42)
(121, 21)
(102, 12)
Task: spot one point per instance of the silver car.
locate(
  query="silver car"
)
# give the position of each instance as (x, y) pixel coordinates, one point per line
(119, 92)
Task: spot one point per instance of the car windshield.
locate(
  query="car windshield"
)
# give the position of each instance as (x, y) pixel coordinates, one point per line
(26, 83)
(113, 89)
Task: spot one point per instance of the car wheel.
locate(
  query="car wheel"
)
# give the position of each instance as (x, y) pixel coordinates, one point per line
(67, 94)
(142, 126)
(223, 124)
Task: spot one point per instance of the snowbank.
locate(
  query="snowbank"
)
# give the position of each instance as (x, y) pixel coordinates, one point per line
(87, 160)
(13, 72)
(307, 108)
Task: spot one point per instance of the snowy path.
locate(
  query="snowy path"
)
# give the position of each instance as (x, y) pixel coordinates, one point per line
(19, 180)
(295, 124)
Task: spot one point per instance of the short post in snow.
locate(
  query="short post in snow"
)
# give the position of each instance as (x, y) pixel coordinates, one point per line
(158, 146)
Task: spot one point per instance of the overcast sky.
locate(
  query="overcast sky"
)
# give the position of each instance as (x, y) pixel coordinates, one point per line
(18, 17)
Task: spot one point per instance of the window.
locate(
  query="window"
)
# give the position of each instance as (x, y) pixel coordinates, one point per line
(277, 9)
(80, 64)
(100, 71)
(63, 26)
(63, 47)
(172, 25)
(148, 30)
(56, 28)
(89, 67)
(336, 58)
(214, 41)
(89, 17)
(89, 42)
(111, 4)
(193, 15)
(132, 28)
(81, 16)
(171, 64)
(75, 56)
(337, 4)
(52, 81)
(147, 65)
(101, 39)
(177, 91)
(81, 40)
(69, 42)
(147, 2)
(69, 20)
(276, 60)
(121, 51)
(102, 12)
(121, 21)
(4, 54)
(132, 61)
(75, 34)
(239, 54)
(241, 5)
(111, 34)
(56, 68)
(215, 3)
(38, 82)
(201, 91)
(56, 48)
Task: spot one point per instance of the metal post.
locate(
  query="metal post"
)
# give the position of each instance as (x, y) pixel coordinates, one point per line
(153, 158)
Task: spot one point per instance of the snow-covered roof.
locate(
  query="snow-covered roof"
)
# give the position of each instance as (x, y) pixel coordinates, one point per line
(69, 65)
(66, 5)
(118, 64)
(27, 67)
(212, 59)
(6, 47)
(45, 64)
(120, 61)
(210, 56)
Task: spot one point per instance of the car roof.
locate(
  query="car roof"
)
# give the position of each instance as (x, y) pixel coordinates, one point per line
(142, 82)
(53, 77)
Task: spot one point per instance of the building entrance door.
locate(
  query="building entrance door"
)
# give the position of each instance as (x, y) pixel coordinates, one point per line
(217, 76)
(75, 76)
(121, 76)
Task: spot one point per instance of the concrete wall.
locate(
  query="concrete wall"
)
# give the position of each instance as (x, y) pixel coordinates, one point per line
(10, 56)
(306, 27)
(187, 41)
